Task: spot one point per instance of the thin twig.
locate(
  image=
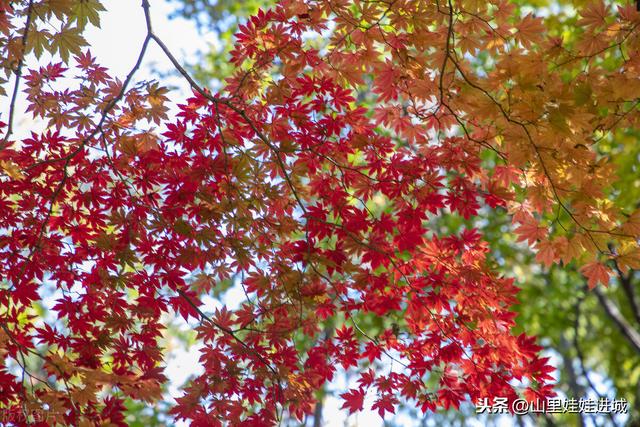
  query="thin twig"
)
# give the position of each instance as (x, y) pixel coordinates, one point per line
(16, 86)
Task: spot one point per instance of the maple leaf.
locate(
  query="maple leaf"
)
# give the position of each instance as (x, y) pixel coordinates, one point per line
(530, 230)
(506, 175)
(628, 258)
(596, 272)
(11, 169)
(530, 30)
(546, 253)
(385, 404)
(68, 41)
(594, 14)
(353, 400)
(87, 11)
(632, 224)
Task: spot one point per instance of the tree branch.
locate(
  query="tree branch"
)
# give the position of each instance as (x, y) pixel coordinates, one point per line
(16, 87)
(580, 355)
(630, 333)
(627, 287)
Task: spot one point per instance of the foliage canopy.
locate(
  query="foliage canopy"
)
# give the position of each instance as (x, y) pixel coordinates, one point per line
(324, 178)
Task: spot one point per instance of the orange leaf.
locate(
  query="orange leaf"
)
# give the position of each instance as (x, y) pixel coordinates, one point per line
(530, 231)
(546, 253)
(596, 273)
(594, 14)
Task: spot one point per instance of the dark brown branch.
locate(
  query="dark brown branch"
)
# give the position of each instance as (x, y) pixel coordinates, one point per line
(612, 310)
(627, 287)
(580, 354)
(572, 377)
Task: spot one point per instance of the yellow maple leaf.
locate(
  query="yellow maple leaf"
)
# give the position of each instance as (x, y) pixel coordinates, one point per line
(11, 169)
(628, 258)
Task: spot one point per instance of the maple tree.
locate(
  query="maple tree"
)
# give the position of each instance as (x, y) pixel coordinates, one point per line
(325, 209)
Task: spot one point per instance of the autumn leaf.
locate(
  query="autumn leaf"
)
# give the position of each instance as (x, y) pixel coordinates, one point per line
(530, 231)
(632, 224)
(11, 169)
(593, 14)
(596, 272)
(68, 41)
(529, 30)
(353, 400)
(545, 253)
(87, 11)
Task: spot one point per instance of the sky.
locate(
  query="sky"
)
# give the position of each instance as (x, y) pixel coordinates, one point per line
(118, 40)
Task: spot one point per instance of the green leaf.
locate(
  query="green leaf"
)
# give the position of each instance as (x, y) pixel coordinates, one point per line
(67, 41)
(38, 42)
(87, 11)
